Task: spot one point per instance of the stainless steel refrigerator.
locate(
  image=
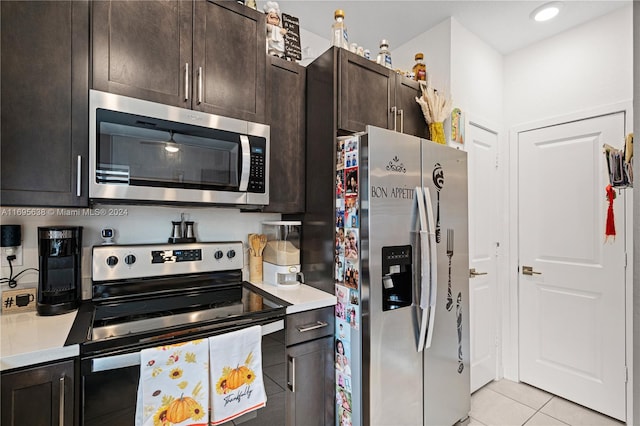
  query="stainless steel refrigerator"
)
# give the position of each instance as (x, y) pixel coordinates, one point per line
(401, 274)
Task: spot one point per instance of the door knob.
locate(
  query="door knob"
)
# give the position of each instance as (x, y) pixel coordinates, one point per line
(528, 270)
(473, 273)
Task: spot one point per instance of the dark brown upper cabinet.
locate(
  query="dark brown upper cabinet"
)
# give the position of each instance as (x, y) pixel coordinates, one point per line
(203, 55)
(370, 94)
(286, 116)
(44, 51)
(410, 119)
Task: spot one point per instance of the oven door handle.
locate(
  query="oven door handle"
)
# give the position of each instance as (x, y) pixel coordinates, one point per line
(114, 362)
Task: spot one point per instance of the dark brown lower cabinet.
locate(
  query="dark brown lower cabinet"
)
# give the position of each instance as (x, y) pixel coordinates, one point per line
(310, 368)
(42, 396)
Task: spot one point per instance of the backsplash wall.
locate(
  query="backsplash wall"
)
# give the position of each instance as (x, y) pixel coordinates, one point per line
(132, 225)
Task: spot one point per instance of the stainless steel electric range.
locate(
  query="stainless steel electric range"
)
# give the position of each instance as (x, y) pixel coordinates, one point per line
(151, 295)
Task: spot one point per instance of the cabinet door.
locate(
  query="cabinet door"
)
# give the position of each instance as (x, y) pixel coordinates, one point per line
(286, 117)
(310, 383)
(44, 108)
(411, 121)
(40, 396)
(229, 55)
(142, 49)
(365, 89)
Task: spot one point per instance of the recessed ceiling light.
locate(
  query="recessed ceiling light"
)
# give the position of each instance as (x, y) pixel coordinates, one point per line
(546, 11)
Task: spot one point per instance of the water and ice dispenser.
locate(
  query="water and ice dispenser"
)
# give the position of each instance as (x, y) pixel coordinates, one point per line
(397, 282)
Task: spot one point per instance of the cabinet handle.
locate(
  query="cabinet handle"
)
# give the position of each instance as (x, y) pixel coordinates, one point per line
(291, 382)
(401, 111)
(199, 85)
(61, 414)
(313, 326)
(394, 110)
(186, 81)
(79, 177)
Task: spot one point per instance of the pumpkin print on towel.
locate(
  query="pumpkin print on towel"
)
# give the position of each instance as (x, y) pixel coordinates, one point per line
(233, 378)
(176, 386)
(179, 410)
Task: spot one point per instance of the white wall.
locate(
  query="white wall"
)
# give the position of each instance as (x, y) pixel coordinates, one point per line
(476, 76)
(588, 66)
(133, 225)
(313, 46)
(582, 72)
(636, 226)
(463, 66)
(436, 46)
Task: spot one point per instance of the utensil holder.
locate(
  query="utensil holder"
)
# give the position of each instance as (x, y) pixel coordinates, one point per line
(255, 272)
(255, 268)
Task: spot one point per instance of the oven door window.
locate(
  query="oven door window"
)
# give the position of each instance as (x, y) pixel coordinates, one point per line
(140, 151)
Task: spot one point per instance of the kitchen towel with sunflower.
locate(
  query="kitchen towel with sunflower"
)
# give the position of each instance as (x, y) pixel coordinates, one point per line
(174, 385)
(236, 374)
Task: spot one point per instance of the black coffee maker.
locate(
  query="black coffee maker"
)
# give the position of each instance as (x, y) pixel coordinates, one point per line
(59, 285)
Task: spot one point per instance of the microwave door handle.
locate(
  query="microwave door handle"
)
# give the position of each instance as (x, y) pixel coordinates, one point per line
(424, 265)
(246, 162)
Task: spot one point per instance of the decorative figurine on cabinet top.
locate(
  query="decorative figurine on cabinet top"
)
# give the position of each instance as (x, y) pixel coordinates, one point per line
(275, 33)
(249, 3)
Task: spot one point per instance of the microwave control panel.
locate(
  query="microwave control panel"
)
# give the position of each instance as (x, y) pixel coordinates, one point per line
(257, 170)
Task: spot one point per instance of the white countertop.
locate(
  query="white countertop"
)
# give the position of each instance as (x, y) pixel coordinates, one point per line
(302, 297)
(27, 339)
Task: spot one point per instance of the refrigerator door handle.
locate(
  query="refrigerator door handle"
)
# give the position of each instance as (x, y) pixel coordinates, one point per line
(424, 265)
(433, 254)
(424, 278)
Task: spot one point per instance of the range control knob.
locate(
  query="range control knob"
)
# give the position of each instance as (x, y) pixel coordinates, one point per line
(218, 254)
(130, 259)
(231, 254)
(112, 261)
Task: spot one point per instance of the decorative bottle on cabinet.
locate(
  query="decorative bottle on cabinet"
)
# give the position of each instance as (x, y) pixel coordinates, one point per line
(384, 57)
(339, 35)
(420, 69)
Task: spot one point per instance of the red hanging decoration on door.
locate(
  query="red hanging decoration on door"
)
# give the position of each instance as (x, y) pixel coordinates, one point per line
(610, 228)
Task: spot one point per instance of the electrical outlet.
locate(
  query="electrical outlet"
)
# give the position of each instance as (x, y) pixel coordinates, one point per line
(19, 300)
(6, 251)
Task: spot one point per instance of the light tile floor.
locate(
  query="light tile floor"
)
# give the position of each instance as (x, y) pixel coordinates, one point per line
(507, 403)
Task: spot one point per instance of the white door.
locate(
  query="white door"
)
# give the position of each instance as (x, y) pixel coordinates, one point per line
(572, 309)
(482, 146)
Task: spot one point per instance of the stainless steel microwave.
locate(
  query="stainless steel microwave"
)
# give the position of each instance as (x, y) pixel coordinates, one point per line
(145, 152)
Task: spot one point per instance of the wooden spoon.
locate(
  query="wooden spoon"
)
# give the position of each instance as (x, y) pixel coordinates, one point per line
(263, 243)
(253, 247)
